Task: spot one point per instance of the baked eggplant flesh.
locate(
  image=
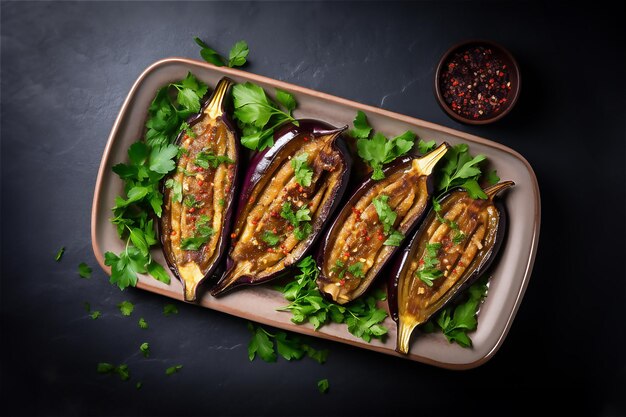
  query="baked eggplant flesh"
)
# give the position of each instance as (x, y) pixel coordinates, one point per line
(290, 192)
(199, 194)
(452, 248)
(372, 225)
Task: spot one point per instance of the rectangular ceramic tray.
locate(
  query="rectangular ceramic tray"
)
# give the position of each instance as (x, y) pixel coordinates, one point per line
(509, 277)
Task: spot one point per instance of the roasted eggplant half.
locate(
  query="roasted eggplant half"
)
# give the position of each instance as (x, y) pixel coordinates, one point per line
(371, 226)
(453, 247)
(289, 194)
(199, 195)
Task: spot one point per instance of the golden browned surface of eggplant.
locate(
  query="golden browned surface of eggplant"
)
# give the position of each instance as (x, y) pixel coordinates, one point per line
(360, 240)
(454, 245)
(205, 172)
(266, 241)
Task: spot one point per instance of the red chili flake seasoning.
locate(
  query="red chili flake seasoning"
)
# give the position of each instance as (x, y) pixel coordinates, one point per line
(469, 86)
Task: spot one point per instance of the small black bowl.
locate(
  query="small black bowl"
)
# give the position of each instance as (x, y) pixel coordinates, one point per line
(499, 53)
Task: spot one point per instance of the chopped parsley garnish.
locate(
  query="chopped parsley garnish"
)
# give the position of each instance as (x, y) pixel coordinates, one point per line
(107, 368)
(177, 189)
(270, 238)
(203, 234)
(299, 220)
(169, 309)
(388, 218)
(144, 348)
(173, 369)
(428, 270)
(209, 159)
(302, 170)
(142, 323)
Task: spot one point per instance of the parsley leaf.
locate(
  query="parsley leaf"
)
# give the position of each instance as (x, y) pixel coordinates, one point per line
(356, 269)
(126, 308)
(173, 369)
(169, 309)
(379, 150)
(238, 54)
(428, 270)
(302, 170)
(145, 349)
(286, 99)
(288, 346)
(236, 57)
(177, 189)
(59, 254)
(388, 218)
(307, 305)
(143, 324)
(206, 159)
(270, 238)
(460, 169)
(107, 368)
(158, 272)
(95, 314)
(362, 129)
(492, 177)
(323, 385)
(299, 219)
(425, 147)
(456, 321)
(260, 344)
(303, 231)
(257, 116)
(84, 270)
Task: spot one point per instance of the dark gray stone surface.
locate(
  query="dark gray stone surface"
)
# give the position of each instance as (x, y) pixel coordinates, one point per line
(66, 68)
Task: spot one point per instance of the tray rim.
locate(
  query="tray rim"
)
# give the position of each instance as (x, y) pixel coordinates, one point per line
(359, 106)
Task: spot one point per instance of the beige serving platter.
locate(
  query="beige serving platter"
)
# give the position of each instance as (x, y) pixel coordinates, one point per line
(509, 276)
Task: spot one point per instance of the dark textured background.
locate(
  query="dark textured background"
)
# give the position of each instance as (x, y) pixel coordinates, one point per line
(66, 68)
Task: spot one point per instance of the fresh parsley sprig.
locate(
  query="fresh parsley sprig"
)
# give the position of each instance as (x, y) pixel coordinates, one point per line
(236, 57)
(460, 169)
(379, 150)
(148, 162)
(258, 116)
(362, 316)
(288, 346)
(457, 321)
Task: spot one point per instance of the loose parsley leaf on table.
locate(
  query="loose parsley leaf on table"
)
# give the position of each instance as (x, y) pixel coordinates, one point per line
(84, 270)
(145, 349)
(258, 116)
(379, 150)
(59, 254)
(323, 385)
(169, 309)
(288, 346)
(126, 308)
(236, 57)
(362, 316)
(142, 323)
(173, 369)
(95, 314)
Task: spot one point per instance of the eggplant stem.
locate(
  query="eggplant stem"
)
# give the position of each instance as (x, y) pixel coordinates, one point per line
(215, 107)
(427, 163)
(404, 336)
(496, 188)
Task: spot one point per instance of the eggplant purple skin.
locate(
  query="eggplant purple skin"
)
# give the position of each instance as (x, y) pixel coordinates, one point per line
(360, 190)
(401, 261)
(224, 241)
(257, 168)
